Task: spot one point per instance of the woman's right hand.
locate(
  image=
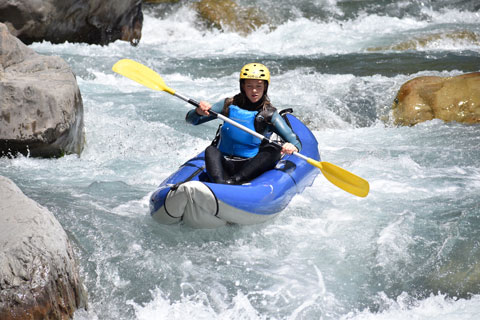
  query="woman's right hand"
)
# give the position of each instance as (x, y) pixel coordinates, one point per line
(203, 108)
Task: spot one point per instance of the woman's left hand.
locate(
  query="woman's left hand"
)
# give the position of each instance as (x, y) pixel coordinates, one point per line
(289, 148)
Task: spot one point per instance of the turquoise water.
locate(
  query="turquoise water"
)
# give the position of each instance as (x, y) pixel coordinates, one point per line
(408, 250)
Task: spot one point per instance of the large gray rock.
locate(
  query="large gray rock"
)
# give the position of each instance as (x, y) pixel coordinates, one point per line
(38, 273)
(41, 108)
(89, 21)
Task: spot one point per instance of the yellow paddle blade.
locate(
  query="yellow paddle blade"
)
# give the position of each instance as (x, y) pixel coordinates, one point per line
(342, 178)
(141, 74)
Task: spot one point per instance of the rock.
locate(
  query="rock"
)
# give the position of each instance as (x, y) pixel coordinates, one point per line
(227, 15)
(464, 36)
(446, 98)
(456, 279)
(161, 1)
(38, 274)
(41, 108)
(457, 271)
(58, 21)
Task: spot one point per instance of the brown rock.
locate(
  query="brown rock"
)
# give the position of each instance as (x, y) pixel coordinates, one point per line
(446, 98)
(227, 15)
(457, 273)
(424, 41)
(161, 1)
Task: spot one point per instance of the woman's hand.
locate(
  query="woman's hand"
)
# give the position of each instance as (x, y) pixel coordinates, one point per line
(289, 148)
(203, 108)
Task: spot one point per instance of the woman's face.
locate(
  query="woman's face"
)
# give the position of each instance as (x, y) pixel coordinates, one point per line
(254, 89)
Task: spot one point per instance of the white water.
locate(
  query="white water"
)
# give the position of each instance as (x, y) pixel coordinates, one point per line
(393, 255)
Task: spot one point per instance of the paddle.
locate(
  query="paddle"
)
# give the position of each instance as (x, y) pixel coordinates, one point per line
(338, 176)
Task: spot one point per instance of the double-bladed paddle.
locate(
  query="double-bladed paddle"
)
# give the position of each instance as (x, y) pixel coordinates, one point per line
(149, 78)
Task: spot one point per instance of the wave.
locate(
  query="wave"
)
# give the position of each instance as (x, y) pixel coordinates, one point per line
(434, 307)
(180, 34)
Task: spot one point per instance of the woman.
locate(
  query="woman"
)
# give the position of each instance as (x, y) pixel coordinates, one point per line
(239, 156)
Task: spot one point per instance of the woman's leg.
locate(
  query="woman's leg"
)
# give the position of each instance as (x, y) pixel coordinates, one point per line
(213, 164)
(266, 159)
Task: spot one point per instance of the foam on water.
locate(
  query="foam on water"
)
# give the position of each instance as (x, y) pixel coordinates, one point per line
(434, 307)
(178, 36)
(317, 36)
(404, 307)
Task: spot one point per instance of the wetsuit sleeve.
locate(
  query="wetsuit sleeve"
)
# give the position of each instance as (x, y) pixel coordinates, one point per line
(194, 118)
(281, 128)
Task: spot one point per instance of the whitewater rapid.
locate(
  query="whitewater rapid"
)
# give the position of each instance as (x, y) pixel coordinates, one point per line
(399, 253)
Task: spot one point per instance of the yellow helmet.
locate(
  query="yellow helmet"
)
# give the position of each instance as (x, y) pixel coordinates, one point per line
(255, 71)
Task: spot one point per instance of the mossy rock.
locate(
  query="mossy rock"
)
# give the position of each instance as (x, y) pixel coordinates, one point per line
(229, 16)
(459, 276)
(422, 42)
(161, 1)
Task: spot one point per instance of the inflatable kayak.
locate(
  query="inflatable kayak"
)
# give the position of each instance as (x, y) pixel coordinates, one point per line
(187, 195)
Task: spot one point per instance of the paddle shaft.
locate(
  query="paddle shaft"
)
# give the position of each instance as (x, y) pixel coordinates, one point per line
(234, 123)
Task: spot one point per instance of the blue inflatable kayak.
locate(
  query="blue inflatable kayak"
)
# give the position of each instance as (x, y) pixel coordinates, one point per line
(188, 196)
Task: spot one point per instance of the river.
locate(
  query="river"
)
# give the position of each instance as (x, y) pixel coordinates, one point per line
(410, 250)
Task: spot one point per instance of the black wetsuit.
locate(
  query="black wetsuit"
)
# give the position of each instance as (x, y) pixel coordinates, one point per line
(225, 168)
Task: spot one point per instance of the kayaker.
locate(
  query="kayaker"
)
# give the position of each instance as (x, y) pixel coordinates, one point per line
(238, 156)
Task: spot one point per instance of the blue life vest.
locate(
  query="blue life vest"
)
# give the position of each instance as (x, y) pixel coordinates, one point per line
(236, 142)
